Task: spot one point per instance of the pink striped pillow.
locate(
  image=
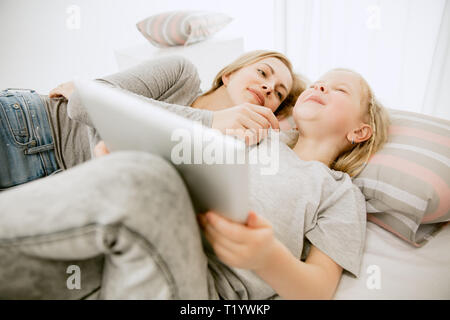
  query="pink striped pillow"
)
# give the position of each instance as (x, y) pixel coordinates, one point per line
(406, 184)
(177, 28)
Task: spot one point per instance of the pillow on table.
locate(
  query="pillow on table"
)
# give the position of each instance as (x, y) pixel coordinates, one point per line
(177, 28)
(406, 183)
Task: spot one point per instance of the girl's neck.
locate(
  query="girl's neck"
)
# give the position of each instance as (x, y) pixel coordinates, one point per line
(214, 101)
(310, 149)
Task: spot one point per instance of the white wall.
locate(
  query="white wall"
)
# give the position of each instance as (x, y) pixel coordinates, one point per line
(40, 49)
(391, 43)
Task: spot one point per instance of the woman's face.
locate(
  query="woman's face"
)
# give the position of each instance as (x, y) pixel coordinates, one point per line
(332, 105)
(266, 83)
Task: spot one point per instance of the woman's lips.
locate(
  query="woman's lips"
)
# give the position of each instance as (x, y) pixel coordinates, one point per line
(258, 96)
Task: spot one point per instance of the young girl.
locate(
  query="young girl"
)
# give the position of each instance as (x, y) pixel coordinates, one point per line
(41, 135)
(340, 125)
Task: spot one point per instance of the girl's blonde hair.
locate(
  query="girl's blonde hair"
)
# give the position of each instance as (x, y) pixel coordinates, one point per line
(353, 161)
(299, 83)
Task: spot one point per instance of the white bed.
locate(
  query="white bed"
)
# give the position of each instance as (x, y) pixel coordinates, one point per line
(405, 272)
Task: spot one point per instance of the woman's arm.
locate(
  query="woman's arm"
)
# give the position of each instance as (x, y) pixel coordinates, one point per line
(173, 80)
(63, 90)
(253, 246)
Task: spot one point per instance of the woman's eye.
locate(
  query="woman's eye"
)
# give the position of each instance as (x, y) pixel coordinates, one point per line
(262, 72)
(342, 90)
(280, 95)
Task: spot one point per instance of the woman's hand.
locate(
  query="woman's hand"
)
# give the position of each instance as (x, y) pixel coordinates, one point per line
(247, 121)
(246, 246)
(63, 90)
(100, 149)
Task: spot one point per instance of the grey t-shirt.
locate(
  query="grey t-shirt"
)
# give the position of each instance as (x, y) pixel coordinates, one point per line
(307, 203)
(170, 82)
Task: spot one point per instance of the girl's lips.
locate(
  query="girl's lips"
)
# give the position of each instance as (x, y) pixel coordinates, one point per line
(258, 96)
(315, 99)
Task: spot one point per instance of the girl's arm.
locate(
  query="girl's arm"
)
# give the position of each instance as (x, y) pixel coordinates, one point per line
(253, 246)
(291, 278)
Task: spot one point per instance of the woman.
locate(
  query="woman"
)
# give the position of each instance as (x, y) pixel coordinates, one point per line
(42, 135)
(307, 224)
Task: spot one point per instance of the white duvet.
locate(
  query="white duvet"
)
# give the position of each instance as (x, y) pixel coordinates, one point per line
(393, 269)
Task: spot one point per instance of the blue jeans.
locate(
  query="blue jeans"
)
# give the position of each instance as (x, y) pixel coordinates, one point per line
(26, 140)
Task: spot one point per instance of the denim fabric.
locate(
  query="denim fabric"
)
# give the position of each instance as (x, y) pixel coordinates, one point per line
(26, 140)
(125, 220)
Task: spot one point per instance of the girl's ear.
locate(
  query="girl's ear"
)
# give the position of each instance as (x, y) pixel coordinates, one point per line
(361, 134)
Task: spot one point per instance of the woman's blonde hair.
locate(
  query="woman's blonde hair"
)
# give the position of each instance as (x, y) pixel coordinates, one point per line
(353, 161)
(299, 83)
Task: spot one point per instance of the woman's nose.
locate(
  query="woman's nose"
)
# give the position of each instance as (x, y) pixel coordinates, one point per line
(267, 88)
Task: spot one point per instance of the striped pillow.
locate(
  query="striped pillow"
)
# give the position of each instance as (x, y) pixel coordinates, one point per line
(406, 184)
(177, 28)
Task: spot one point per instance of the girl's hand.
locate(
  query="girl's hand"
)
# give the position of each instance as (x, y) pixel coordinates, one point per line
(242, 246)
(100, 149)
(247, 121)
(63, 90)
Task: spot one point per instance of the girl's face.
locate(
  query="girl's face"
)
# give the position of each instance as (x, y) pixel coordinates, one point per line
(266, 83)
(331, 106)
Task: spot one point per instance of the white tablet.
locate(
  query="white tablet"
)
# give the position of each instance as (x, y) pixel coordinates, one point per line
(213, 166)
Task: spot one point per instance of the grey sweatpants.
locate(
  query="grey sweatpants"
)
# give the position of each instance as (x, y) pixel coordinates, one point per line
(124, 224)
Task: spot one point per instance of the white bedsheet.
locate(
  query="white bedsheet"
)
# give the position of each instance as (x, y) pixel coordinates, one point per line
(405, 272)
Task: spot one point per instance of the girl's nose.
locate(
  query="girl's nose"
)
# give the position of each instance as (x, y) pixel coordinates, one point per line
(320, 87)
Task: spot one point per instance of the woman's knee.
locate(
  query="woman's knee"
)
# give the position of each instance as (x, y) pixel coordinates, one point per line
(140, 165)
(133, 170)
(148, 182)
